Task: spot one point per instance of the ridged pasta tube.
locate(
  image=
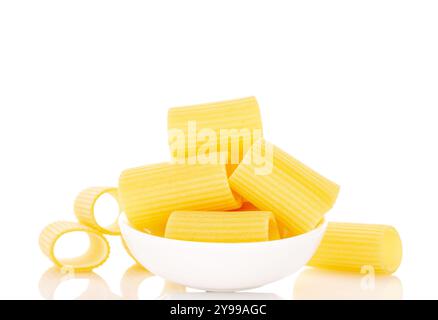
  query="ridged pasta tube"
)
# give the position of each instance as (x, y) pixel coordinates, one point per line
(84, 208)
(248, 206)
(352, 246)
(149, 194)
(203, 132)
(96, 255)
(238, 226)
(272, 180)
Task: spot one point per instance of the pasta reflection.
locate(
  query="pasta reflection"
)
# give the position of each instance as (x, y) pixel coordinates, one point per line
(131, 280)
(97, 288)
(327, 285)
(134, 277)
(172, 288)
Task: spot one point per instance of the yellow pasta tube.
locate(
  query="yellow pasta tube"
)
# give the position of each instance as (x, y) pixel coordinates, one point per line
(149, 194)
(248, 206)
(272, 180)
(203, 132)
(353, 246)
(239, 226)
(96, 255)
(84, 208)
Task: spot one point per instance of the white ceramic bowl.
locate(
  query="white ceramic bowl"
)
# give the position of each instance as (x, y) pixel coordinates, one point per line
(221, 266)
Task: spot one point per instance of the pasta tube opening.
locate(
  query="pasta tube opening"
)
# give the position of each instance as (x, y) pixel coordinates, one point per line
(85, 213)
(95, 256)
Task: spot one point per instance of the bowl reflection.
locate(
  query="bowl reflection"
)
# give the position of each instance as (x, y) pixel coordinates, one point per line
(222, 296)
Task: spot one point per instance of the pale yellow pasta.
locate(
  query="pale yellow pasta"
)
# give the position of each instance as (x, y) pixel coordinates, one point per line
(149, 194)
(84, 208)
(248, 206)
(353, 246)
(95, 256)
(228, 127)
(277, 182)
(214, 226)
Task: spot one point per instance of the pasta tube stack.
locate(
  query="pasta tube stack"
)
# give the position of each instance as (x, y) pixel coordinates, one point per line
(149, 194)
(297, 195)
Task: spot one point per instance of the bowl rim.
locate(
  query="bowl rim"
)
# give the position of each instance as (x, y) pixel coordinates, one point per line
(123, 220)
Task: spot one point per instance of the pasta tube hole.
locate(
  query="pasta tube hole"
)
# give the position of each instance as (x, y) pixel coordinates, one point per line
(107, 211)
(82, 255)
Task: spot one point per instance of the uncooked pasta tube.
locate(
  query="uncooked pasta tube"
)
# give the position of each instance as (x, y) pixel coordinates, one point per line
(96, 255)
(272, 180)
(203, 132)
(353, 246)
(248, 206)
(149, 194)
(84, 208)
(238, 226)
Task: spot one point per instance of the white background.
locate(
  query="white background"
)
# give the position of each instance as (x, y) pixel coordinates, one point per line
(348, 87)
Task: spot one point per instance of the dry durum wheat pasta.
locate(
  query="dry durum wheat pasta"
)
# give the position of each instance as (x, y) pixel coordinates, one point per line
(151, 193)
(95, 256)
(238, 226)
(297, 195)
(352, 246)
(84, 208)
(229, 126)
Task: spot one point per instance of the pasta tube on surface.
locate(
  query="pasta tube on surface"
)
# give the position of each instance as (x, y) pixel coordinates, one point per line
(275, 181)
(84, 208)
(352, 246)
(239, 226)
(149, 194)
(96, 255)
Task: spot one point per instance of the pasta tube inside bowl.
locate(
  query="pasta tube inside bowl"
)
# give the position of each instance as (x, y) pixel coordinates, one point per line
(221, 266)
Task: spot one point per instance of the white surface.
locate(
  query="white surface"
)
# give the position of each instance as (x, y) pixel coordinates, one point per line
(221, 266)
(348, 87)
